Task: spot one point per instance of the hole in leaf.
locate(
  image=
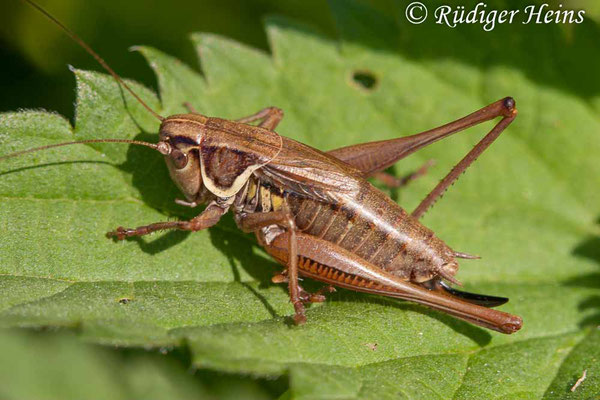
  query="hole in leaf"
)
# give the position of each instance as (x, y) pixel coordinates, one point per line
(365, 79)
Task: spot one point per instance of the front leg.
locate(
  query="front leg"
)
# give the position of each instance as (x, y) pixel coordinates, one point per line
(209, 217)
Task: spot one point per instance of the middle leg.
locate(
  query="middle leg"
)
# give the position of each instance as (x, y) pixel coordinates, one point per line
(254, 222)
(391, 181)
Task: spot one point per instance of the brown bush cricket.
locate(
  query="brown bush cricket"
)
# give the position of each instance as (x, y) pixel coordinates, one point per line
(315, 212)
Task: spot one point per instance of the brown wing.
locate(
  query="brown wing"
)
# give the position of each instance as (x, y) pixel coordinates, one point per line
(307, 171)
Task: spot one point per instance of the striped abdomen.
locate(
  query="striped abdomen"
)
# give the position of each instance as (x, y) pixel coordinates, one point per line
(379, 231)
(370, 225)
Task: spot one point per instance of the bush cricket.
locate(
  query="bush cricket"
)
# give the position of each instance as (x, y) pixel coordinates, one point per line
(315, 212)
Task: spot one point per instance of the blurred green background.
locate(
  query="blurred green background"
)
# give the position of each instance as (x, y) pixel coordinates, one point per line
(35, 53)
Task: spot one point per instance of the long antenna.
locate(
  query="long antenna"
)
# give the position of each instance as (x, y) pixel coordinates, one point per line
(100, 60)
(161, 147)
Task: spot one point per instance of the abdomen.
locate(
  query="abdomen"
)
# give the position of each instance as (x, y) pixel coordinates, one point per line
(369, 225)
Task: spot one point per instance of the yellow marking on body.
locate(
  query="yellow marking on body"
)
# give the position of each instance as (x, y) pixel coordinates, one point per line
(265, 199)
(276, 201)
(235, 187)
(251, 190)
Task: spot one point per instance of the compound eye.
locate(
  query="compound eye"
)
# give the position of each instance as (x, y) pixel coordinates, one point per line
(179, 158)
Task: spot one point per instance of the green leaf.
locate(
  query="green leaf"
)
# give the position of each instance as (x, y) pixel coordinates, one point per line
(529, 206)
(58, 366)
